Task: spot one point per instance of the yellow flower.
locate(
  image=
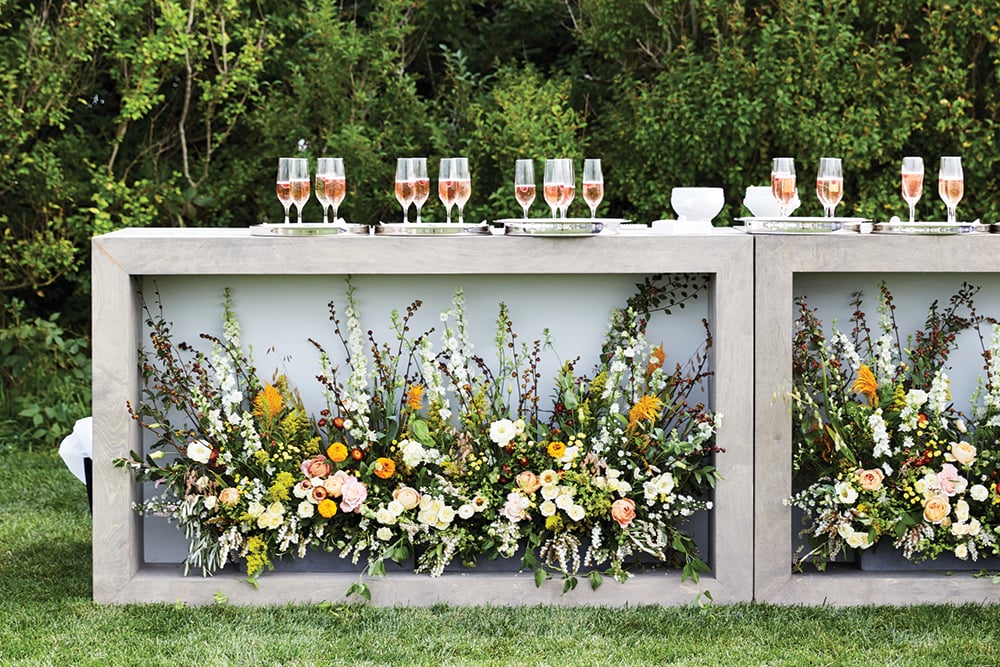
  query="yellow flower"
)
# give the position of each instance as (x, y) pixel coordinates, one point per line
(556, 449)
(327, 508)
(384, 468)
(867, 384)
(268, 403)
(415, 396)
(646, 408)
(337, 452)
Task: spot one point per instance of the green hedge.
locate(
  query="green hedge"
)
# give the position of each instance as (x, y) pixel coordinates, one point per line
(134, 113)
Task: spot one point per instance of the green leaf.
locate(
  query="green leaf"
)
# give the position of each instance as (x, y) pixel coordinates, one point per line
(569, 583)
(540, 577)
(421, 432)
(596, 580)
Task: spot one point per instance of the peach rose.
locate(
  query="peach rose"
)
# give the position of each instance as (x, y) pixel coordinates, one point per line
(229, 496)
(963, 452)
(528, 481)
(407, 497)
(870, 480)
(335, 484)
(936, 509)
(317, 466)
(623, 511)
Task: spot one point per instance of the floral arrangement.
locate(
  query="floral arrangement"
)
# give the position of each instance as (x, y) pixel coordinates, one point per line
(431, 451)
(879, 450)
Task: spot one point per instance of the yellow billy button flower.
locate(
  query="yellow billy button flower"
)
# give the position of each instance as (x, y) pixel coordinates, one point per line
(867, 385)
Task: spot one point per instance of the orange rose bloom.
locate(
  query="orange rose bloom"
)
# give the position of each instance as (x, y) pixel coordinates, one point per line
(623, 511)
(384, 468)
(326, 508)
(337, 452)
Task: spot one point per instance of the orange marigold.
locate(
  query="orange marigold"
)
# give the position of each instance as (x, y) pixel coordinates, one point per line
(327, 508)
(337, 452)
(268, 403)
(646, 408)
(867, 384)
(415, 396)
(384, 468)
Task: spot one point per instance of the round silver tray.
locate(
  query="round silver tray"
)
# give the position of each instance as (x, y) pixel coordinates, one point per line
(307, 229)
(431, 229)
(801, 225)
(554, 227)
(930, 228)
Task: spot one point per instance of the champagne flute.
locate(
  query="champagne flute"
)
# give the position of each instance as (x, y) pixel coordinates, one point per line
(783, 183)
(593, 184)
(912, 173)
(524, 184)
(331, 185)
(300, 184)
(463, 184)
(568, 186)
(446, 186)
(951, 184)
(552, 185)
(829, 184)
(404, 184)
(283, 184)
(421, 183)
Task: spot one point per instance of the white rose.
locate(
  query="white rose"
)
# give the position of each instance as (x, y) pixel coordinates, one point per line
(564, 501)
(576, 512)
(199, 451)
(385, 516)
(502, 432)
(384, 534)
(979, 492)
(962, 510)
(974, 527)
(306, 509)
(958, 529)
(255, 509)
(395, 508)
(210, 502)
(857, 540)
(916, 397)
(446, 514)
(550, 492)
(962, 551)
(547, 508)
(466, 511)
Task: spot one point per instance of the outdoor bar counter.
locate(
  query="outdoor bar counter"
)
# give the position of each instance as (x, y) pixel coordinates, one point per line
(750, 311)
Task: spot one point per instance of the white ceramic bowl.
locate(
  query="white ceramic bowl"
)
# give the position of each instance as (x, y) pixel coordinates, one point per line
(762, 204)
(697, 204)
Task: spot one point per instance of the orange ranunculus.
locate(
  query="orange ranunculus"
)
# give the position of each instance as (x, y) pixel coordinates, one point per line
(337, 452)
(557, 449)
(384, 468)
(866, 384)
(415, 396)
(326, 508)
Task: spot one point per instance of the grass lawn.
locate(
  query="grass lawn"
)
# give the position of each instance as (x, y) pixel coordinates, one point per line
(47, 617)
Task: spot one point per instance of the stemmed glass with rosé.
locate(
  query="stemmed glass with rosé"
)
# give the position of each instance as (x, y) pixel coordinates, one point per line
(912, 182)
(524, 184)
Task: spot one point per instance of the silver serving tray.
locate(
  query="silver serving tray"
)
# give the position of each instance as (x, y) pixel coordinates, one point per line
(307, 229)
(431, 229)
(801, 225)
(930, 228)
(558, 227)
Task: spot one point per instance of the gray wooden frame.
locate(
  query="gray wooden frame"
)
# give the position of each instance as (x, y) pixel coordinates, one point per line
(778, 259)
(121, 258)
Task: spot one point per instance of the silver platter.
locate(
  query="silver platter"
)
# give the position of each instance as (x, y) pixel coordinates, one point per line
(801, 225)
(307, 229)
(431, 229)
(930, 228)
(561, 227)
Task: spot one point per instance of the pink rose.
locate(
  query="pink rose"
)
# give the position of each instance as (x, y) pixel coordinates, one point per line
(316, 467)
(352, 494)
(516, 508)
(623, 511)
(949, 481)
